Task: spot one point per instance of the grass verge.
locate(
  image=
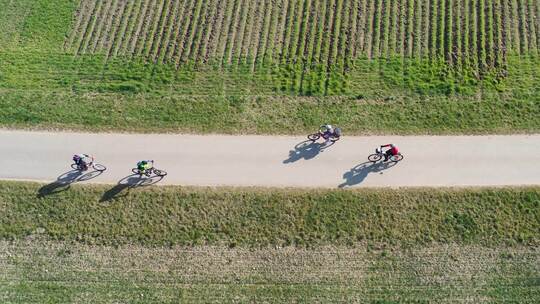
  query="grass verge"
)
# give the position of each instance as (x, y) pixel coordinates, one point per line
(250, 217)
(265, 114)
(97, 244)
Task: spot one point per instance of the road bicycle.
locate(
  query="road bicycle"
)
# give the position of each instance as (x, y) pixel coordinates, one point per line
(84, 167)
(379, 154)
(335, 136)
(149, 172)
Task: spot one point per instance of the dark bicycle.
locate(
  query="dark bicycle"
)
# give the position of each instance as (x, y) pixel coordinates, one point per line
(335, 136)
(149, 172)
(84, 167)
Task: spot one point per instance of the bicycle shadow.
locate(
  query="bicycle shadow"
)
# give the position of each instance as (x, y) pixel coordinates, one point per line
(122, 188)
(64, 181)
(306, 150)
(359, 173)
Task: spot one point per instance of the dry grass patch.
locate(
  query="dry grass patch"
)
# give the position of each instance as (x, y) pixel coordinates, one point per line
(37, 269)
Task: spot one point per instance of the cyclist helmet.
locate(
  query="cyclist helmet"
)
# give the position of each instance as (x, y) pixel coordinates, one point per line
(141, 165)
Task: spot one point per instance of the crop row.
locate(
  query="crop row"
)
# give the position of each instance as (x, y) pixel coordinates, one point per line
(307, 32)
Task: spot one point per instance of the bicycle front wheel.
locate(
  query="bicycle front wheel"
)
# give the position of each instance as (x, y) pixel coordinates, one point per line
(396, 158)
(159, 172)
(99, 167)
(374, 157)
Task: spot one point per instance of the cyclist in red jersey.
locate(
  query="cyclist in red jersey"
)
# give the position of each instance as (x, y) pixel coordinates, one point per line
(390, 152)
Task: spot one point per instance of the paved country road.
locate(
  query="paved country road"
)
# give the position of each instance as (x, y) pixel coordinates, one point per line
(277, 161)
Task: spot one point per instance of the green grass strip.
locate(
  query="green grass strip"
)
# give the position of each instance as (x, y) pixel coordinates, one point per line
(263, 217)
(264, 114)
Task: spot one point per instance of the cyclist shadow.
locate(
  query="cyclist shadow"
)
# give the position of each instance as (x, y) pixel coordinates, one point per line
(305, 150)
(359, 173)
(127, 183)
(64, 181)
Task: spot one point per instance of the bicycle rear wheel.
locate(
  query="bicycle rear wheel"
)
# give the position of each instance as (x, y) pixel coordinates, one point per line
(79, 167)
(374, 157)
(314, 136)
